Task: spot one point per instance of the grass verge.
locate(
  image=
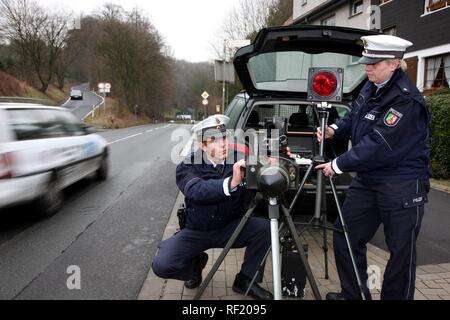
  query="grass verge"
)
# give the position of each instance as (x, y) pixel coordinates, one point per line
(116, 117)
(442, 185)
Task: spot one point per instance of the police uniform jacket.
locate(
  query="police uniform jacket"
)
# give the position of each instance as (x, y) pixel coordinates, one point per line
(208, 207)
(389, 132)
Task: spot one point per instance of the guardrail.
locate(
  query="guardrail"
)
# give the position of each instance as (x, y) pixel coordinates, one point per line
(95, 107)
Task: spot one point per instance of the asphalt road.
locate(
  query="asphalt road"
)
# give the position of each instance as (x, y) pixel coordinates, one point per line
(81, 108)
(433, 244)
(109, 230)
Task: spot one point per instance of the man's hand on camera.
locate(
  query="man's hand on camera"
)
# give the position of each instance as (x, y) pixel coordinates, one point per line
(273, 161)
(238, 174)
(327, 170)
(329, 134)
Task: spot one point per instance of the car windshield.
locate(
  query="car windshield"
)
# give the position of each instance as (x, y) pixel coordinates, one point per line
(288, 71)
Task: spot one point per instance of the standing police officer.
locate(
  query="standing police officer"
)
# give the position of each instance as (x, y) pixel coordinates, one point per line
(210, 180)
(388, 127)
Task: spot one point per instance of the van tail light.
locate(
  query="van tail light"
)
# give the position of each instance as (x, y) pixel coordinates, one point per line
(6, 161)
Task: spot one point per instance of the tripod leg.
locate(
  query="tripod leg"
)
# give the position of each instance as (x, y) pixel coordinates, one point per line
(300, 189)
(319, 196)
(260, 269)
(347, 238)
(325, 231)
(227, 249)
(274, 215)
(293, 231)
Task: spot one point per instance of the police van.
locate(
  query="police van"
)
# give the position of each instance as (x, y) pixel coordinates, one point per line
(275, 73)
(43, 150)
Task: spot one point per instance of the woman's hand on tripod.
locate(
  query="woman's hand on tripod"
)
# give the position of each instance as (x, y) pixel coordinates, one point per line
(327, 170)
(329, 134)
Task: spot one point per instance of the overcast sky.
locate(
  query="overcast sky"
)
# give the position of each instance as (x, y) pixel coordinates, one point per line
(188, 26)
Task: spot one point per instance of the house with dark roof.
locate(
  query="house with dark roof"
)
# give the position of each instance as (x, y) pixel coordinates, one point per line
(426, 23)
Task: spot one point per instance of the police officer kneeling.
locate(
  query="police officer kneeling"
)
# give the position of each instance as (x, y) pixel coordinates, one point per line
(388, 127)
(211, 181)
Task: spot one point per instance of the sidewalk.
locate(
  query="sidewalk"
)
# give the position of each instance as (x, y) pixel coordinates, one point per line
(433, 281)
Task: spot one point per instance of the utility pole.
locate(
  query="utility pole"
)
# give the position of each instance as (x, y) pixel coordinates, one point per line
(224, 89)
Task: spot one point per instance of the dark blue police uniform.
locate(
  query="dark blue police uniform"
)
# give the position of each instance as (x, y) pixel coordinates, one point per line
(212, 217)
(389, 132)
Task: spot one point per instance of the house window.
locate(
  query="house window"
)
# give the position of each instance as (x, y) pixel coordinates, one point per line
(330, 21)
(437, 74)
(357, 7)
(433, 5)
(392, 31)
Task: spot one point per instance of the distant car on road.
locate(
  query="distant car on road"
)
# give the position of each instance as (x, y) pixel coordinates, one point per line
(76, 95)
(43, 150)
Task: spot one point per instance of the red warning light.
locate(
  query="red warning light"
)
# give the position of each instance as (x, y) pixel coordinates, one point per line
(325, 84)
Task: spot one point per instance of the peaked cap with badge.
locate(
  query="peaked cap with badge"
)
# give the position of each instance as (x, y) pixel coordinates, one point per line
(381, 47)
(212, 127)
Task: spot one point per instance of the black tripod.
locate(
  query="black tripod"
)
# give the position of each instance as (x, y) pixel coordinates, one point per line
(274, 215)
(319, 220)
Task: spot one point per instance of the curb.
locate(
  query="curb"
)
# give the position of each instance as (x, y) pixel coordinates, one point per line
(440, 187)
(154, 287)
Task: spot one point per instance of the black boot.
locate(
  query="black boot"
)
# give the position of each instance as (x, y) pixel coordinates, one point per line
(335, 296)
(200, 264)
(241, 284)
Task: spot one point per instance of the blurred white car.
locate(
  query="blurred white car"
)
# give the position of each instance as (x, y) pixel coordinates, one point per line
(43, 150)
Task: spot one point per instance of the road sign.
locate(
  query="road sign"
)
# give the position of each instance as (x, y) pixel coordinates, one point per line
(205, 95)
(104, 87)
(224, 72)
(237, 43)
(205, 102)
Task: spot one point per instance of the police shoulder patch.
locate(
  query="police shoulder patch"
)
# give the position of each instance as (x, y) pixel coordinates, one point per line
(392, 118)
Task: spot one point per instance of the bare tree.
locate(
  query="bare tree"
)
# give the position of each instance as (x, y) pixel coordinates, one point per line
(242, 22)
(56, 36)
(133, 53)
(247, 19)
(112, 12)
(68, 55)
(280, 12)
(37, 37)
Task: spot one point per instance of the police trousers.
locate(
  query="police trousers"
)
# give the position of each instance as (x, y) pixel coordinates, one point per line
(176, 256)
(399, 206)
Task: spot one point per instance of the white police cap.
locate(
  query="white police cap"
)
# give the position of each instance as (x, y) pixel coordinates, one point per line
(381, 47)
(214, 126)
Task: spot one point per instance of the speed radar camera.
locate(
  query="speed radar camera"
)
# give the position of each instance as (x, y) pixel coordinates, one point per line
(325, 84)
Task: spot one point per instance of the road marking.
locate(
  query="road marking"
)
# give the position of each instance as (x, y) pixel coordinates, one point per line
(126, 138)
(136, 135)
(67, 101)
